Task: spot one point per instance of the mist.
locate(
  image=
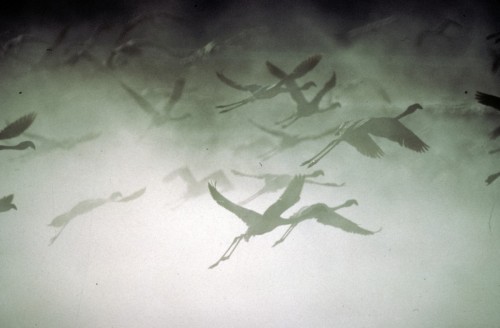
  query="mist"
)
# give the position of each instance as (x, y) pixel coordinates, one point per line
(144, 262)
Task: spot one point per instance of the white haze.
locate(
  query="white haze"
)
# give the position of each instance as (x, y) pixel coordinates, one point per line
(141, 264)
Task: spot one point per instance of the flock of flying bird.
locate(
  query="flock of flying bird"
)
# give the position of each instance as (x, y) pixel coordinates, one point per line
(357, 133)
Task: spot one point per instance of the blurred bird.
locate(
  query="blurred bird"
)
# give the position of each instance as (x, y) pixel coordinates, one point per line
(268, 91)
(304, 107)
(439, 31)
(258, 224)
(159, 118)
(328, 216)
(6, 203)
(83, 52)
(83, 207)
(347, 37)
(12, 46)
(276, 182)
(131, 48)
(489, 180)
(490, 101)
(196, 188)
(287, 140)
(15, 129)
(357, 134)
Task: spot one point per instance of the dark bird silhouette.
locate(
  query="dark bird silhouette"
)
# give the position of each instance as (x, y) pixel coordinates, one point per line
(349, 36)
(83, 51)
(6, 203)
(493, 102)
(52, 47)
(276, 182)
(258, 224)
(357, 134)
(83, 207)
(304, 107)
(157, 117)
(287, 140)
(12, 46)
(328, 216)
(489, 180)
(131, 48)
(259, 92)
(15, 129)
(494, 36)
(196, 188)
(439, 31)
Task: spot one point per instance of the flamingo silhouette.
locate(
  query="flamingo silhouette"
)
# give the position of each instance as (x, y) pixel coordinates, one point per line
(357, 134)
(304, 107)
(276, 182)
(83, 207)
(287, 140)
(159, 118)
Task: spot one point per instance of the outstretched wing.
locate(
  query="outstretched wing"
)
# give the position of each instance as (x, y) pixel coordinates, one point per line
(248, 216)
(290, 197)
(17, 127)
(404, 137)
(7, 199)
(143, 103)
(488, 100)
(330, 84)
(327, 216)
(231, 83)
(305, 66)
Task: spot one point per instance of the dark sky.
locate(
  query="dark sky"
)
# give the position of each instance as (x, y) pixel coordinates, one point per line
(63, 10)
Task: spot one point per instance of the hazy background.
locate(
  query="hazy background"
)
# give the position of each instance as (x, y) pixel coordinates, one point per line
(144, 264)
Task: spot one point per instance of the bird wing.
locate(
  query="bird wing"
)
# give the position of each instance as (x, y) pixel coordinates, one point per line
(17, 127)
(230, 82)
(248, 216)
(305, 66)
(176, 94)
(7, 199)
(365, 145)
(290, 197)
(141, 101)
(397, 132)
(330, 84)
(133, 196)
(488, 100)
(327, 216)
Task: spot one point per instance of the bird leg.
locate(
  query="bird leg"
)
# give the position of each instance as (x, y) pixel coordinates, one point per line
(326, 184)
(284, 126)
(227, 254)
(268, 154)
(53, 239)
(249, 199)
(291, 117)
(316, 158)
(282, 239)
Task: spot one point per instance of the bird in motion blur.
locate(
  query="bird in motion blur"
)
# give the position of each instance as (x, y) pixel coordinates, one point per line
(439, 31)
(6, 203)
(287, 140)
(86, 206)
(304, 107)
(276, 182)
(358, 134)
(259, 224)
(194, 187)
(259, 92)
(160, 117)
(15, 129)
(490, 101)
